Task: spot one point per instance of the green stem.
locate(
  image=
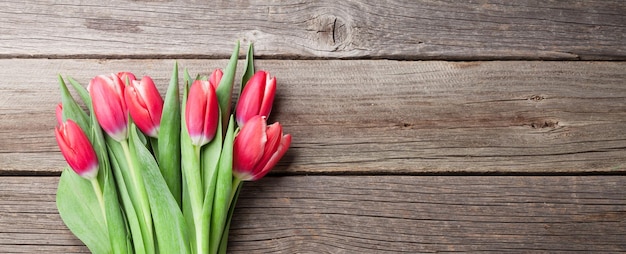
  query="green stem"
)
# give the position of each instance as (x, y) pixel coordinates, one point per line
(194, 182)
(96, 188)
(139, 187)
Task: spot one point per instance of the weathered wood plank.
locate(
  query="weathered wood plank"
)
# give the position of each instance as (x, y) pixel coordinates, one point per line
(391, 214)
(396, 29)
(378, 116)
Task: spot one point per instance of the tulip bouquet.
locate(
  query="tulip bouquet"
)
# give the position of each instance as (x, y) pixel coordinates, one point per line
(148, 175)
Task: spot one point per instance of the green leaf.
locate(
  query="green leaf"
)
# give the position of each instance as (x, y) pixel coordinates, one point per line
(169, 138)
(169, 224)
(80, 210)
(225, 89)
(118, 235)
(223, 188)
(187, 82)
(82, 92)
(249, 68)
(71, 110)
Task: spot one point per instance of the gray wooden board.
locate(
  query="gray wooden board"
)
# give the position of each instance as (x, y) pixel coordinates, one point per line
(397, 29)
(357, 214)
(377, 116)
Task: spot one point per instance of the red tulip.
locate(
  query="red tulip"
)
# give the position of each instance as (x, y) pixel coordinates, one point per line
(256, 98)
(145, 105)
(107, 95)
(77, 149)
(258, 148)
(202, 112)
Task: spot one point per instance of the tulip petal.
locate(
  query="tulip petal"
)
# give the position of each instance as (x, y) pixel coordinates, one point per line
(285, 141)
(211, 113)
(268, 97)
(59, 113)
(194, 112)
(138, 111)
(145, 105)
(109, 106)
(251, 98)
(77, 149)
(202, 111)
(274, 134)
(215, 78)
(249, 145)
(152, 98)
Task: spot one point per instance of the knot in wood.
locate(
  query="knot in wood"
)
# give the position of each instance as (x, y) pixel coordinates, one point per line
(545, 124)
(331, 31)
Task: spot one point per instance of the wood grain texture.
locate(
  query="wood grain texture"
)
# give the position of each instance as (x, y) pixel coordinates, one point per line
(381, 214)
(391, 117)
(394, 29)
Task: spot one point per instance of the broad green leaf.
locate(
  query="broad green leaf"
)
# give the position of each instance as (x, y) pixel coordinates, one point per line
(80, 210)
(249, 68)
(168, 155)
(223, 188)
(71, 110)
(169, 224)
(225, 89)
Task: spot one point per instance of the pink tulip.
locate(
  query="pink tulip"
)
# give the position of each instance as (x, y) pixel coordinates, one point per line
(256, 98)
(107, 95)
(59, 113)
(77, 149)
(202, 112)
(145, 105)
(258, 148)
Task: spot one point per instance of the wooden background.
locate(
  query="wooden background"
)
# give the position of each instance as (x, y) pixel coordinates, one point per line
(419, 126)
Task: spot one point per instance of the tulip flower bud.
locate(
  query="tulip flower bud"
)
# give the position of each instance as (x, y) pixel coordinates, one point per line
(145, 105)
(107, 95)
(202, 112)
(77, 149)
(258, 148)
(256, 98)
